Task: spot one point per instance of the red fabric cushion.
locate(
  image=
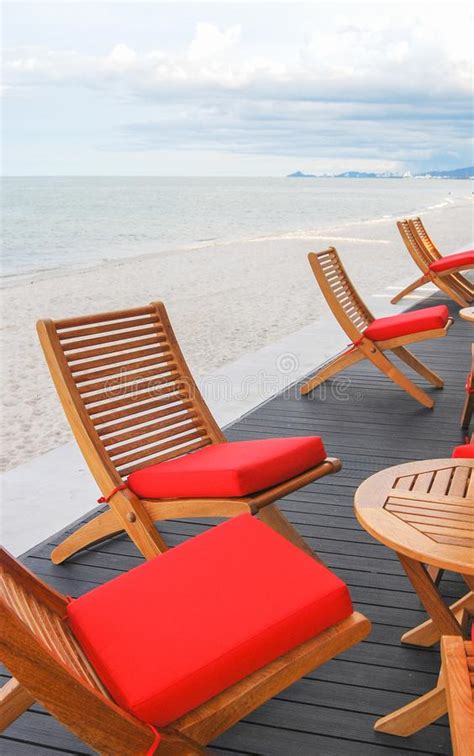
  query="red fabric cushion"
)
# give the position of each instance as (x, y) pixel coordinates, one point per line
(426, 319)
(177, 630)
(229, 469)
(454, 261)
(466, 450)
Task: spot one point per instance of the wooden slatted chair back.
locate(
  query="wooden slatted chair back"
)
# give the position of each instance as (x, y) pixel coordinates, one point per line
(413, 244)
(41, 612)
(49, 666)
(126, 390)
(343, 299)
(424, 240)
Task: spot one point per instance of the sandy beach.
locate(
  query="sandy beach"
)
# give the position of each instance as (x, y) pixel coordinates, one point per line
(224, 301)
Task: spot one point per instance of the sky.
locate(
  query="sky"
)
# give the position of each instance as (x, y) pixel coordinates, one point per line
(242, 89)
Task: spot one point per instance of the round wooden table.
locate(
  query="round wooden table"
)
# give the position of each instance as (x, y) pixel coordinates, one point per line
(467, 313)
(424, 511)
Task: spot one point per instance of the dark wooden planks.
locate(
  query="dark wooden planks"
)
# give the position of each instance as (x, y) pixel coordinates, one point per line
(369, 424)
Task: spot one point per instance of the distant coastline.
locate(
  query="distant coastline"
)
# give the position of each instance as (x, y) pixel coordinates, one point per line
(457, 173)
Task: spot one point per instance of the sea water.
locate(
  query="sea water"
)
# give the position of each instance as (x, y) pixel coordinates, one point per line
(77, 222)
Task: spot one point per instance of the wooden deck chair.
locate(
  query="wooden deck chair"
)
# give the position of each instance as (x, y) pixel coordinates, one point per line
(443, 271)
(371, 338)
(136, 411)
(177, 674)
(454, 694)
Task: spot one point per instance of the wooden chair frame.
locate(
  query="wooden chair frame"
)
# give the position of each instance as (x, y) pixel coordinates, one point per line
(468, 407)
(424, 252)
(354, 317)
(49, 667)
(131, 401)
(454, 694)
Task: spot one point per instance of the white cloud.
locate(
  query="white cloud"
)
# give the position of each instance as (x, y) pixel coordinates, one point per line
(210, 42)
(346, 63)
(121, 59)
(355, 85)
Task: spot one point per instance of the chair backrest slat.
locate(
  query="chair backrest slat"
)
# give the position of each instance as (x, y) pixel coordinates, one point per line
(419, 254)
(46, 660)
(343, 299)
(45, 623)
(418, 229)
(124, 371)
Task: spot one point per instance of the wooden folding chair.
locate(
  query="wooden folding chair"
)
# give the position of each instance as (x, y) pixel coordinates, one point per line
(53, 668)
(132, 402)
(443, 271)
(454, 694)
(358, 323)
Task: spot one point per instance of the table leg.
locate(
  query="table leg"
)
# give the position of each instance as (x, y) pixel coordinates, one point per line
(443, 621)
(435, 573)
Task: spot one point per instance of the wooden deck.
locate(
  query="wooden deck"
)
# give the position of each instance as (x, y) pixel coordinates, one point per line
(369, 424)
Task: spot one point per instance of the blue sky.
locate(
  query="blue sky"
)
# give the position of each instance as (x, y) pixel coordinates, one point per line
(151, 88)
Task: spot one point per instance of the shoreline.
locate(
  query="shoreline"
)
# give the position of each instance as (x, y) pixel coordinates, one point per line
(224, 301)
(10, 280)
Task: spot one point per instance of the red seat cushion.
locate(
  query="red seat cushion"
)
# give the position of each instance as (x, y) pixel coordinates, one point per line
(177, 630)
(465, 450)
(229, 469)
(460, 259)
(426, 319)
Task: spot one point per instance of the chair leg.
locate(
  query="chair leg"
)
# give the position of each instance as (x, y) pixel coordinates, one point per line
(416, 715)
(467, 411)
(450, 289)
(461, 284)
(101, 527)
(273, 517)
(136, 522)
(342, 361)
(409, 359)
(14, 700)
(419, 282)
(391, 371)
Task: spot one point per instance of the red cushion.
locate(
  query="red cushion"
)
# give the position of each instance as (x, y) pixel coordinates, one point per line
(458, 260)
(426, 319)
(177, 630)
(466, 450)
(229, 469)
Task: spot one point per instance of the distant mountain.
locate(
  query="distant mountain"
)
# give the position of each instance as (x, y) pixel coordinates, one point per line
(362, 174)
(356, 174)
(299, 174)
(457, 173)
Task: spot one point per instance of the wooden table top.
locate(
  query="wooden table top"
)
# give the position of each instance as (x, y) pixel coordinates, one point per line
(467, 313)
(424, 510)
